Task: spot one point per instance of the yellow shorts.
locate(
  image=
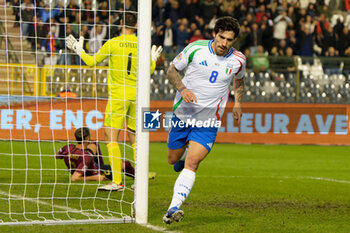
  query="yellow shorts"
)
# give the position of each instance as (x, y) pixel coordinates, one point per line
(117, 111)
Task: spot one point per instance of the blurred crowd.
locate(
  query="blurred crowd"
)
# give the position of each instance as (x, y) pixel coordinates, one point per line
(45, 24)
(268, 28)
(275, 28)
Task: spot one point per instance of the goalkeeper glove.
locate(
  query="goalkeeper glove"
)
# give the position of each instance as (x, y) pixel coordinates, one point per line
(73, 44)
(156, 52)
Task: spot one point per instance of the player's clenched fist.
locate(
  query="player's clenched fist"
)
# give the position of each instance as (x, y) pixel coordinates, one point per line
(188, 96)
(237, 112)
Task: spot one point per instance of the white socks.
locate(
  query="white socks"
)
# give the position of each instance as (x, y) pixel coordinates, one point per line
(182, 187)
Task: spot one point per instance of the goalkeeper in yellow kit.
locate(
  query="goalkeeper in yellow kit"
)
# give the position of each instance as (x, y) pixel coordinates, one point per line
(121, 106)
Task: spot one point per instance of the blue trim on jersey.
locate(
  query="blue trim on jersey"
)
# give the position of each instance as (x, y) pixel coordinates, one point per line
(229, 53)
(210, 47)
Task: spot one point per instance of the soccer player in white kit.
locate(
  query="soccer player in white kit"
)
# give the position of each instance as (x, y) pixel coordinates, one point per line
(210, 67)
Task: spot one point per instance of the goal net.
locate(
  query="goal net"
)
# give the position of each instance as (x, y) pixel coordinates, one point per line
(46, 93)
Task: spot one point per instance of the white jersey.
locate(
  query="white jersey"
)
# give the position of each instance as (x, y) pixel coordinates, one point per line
(209, 77)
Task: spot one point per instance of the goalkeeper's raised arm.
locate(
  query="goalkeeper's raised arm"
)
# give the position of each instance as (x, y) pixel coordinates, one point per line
(114, 48)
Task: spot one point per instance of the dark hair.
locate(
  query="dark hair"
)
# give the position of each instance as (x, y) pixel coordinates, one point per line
(81, 134)
(130, 19)
(227, 23)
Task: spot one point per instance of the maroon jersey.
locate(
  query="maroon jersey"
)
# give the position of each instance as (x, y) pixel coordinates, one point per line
(81, 161)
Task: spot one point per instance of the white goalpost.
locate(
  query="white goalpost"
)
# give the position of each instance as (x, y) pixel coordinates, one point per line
(143, 101)
(46, 93)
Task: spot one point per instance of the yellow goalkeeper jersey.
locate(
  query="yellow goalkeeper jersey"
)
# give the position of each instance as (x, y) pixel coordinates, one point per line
(122, 53)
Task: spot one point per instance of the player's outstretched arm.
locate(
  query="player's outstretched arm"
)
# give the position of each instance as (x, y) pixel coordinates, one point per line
(79, 177)
(176, 79)
(77, 47)
(238, 86)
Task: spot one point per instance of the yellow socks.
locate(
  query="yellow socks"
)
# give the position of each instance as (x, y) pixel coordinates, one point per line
(115, 161)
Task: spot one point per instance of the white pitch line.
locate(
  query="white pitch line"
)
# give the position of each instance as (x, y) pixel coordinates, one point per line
(157, 228)
(327, 179)
(273, 177)
(34, 200)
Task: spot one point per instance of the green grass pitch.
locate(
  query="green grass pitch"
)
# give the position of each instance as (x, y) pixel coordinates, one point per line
(238, 188)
